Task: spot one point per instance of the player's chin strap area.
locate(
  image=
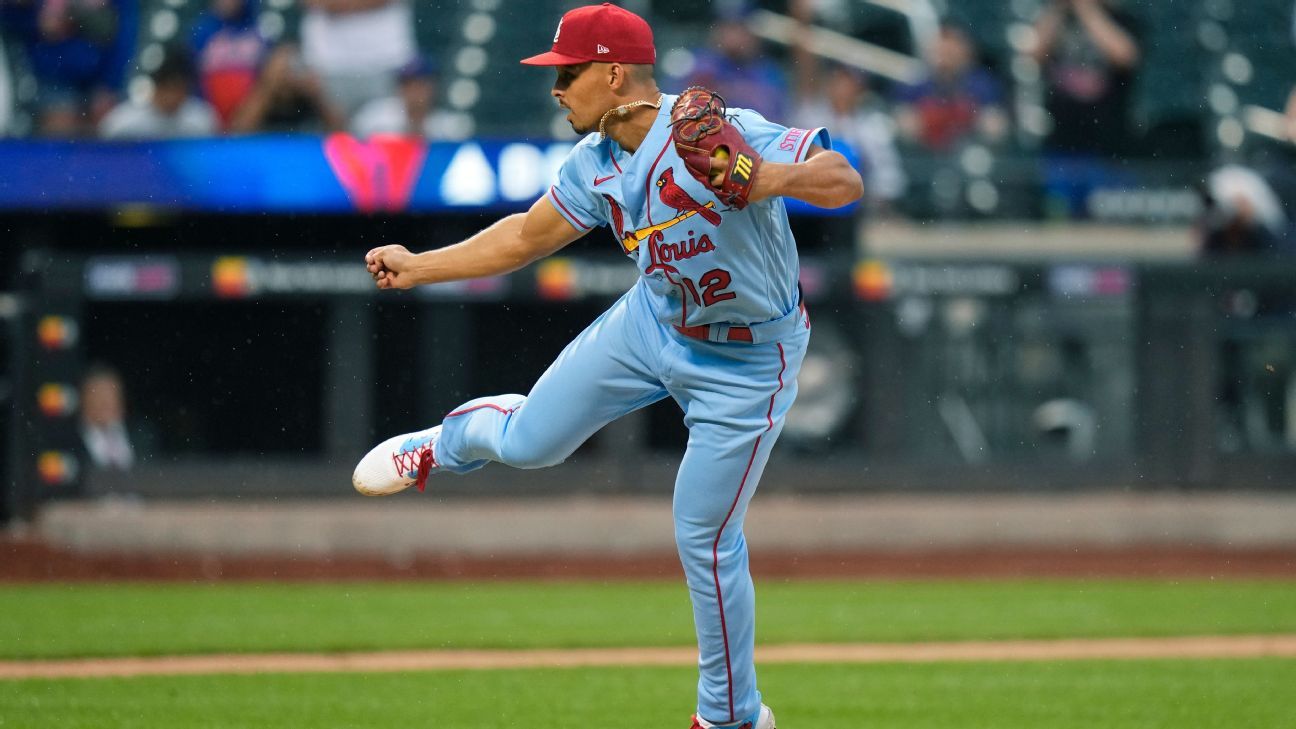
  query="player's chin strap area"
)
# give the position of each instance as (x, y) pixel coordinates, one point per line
(766, 331)
(624, 109)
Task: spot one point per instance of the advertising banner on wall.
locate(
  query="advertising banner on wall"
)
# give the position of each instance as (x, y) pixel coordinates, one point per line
(337, 173)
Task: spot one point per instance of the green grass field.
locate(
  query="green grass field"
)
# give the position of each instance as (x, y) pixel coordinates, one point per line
(1234, 694)
(54, 621)
(49, 621)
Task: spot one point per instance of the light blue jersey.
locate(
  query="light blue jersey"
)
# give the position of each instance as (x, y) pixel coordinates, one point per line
(703, 263)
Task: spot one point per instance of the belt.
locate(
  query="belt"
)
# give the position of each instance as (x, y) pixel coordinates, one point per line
(717, 333)
(755, 333)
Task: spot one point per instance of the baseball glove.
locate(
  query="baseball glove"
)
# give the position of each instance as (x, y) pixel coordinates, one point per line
(702, 134)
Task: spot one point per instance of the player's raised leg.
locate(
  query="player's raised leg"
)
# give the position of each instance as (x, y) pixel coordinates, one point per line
(610, 369)
(733, 423)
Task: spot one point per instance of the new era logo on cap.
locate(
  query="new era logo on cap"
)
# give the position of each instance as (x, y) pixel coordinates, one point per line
(592, 32)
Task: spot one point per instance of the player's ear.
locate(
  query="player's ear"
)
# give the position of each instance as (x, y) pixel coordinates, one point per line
(617, 76)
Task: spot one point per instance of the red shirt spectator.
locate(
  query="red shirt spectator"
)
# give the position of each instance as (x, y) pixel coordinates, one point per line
(229, 51)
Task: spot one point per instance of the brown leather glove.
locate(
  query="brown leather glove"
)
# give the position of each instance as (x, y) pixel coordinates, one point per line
(710, 146)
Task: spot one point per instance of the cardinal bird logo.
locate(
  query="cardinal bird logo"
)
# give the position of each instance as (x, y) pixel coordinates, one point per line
(618, 220)
(618, 226)
(673, 195)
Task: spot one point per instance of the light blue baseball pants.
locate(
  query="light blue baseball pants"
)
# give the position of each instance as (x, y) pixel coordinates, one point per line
(734, 396)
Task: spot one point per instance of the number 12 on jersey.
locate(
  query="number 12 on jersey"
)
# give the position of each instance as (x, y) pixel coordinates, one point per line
(713, 284)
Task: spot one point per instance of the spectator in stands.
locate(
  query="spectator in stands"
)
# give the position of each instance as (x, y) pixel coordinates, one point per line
(734, 64)
(1089, 51)
(412, 110)
(841, 99)
(79, 50)
(104, 434)
(288, 97)
(230, 51)
(356, 47)
(1244, 213)
(170, 112)
(958, 101)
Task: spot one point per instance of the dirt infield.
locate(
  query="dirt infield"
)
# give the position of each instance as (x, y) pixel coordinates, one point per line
(28, 560)
(1257, 646)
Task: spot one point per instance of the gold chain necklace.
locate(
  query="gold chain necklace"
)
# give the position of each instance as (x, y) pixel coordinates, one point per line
(624, 109)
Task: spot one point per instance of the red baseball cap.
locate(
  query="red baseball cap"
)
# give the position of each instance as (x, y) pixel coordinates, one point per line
(603, 33)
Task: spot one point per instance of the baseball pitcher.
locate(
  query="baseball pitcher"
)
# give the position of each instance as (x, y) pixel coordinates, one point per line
(693, 193)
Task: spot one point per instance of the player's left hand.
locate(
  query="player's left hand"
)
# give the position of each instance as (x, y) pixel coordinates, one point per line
(719, 165)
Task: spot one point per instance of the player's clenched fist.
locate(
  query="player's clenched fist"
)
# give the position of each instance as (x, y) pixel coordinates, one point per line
(390, 267)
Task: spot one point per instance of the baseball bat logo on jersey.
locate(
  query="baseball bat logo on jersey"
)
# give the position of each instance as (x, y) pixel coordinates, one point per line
(630, 240)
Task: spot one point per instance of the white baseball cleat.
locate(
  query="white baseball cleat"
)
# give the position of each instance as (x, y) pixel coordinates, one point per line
(397, 463)
(764, 719)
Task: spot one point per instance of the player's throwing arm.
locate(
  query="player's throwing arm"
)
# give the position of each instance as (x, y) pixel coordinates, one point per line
(504, 247)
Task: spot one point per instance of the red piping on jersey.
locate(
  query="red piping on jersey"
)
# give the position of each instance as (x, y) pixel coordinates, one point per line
(715, 546)
(465, 411)
(648, 181)
(554, 193)
(804, 142)
(612, 157)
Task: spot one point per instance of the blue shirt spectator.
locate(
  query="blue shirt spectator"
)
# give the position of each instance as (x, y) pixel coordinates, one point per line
(79, 50)
(735, 66)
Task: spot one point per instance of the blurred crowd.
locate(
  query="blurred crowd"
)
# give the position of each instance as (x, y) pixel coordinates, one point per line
(348, 65)
(958, 110)
(355, 65)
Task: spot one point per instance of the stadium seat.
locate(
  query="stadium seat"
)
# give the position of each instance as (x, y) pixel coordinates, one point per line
(511, 99)
(1261, 32)
(9, 112)
(17, 118)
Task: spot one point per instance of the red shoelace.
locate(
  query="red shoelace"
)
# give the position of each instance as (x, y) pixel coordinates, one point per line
(427, 459)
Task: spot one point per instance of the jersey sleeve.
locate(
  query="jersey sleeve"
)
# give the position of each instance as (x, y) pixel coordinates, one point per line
(572, 195)
(776, 142)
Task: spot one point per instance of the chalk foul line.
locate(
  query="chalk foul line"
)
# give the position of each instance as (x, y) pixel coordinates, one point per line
(1242, 646)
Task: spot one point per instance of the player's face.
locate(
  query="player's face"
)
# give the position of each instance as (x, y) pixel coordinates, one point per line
(577, 90)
